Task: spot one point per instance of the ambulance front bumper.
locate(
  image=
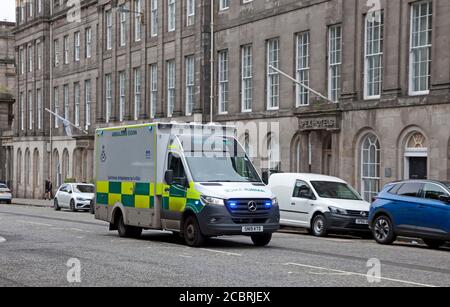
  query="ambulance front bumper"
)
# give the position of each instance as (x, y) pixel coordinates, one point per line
(219, 221)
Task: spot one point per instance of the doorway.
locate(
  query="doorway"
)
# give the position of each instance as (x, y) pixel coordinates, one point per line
(416, 157)
(418, 168)
(327, 155)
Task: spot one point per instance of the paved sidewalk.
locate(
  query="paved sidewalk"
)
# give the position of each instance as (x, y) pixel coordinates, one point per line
(32, 202)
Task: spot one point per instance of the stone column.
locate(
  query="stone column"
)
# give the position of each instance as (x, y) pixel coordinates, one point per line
(350, 30)
(440, 72)
(392, 39)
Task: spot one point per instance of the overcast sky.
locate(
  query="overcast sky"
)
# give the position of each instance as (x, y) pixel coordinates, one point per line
(7, 10)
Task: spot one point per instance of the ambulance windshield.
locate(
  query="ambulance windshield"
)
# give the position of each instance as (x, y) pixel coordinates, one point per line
(222, 169)
(217, 159)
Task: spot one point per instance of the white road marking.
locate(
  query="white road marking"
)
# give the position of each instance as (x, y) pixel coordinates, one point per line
(221, 252)
(37, 224)
(2, 240)
(358, 274)
(79, 230)
(185, 256)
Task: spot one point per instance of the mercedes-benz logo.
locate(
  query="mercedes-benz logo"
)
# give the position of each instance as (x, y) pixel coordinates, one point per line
(364, 214)
(252, 206)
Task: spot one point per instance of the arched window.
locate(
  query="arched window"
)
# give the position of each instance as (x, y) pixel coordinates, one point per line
(247, 143)
(77, 164)
(65, 165)
(370, 167)
(27, 167)
(36, 175)
(273, 153)
(19, 167)
(56, 169)
(296, 154)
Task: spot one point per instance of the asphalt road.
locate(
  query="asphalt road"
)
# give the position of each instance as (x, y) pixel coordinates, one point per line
(36, 244)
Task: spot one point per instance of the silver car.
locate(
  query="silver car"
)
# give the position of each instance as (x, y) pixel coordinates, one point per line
(5, 194)
(74, 196)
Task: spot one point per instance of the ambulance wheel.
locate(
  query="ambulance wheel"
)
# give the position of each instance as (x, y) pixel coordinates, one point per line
(262, 240)
(127, 231)
(192, 233)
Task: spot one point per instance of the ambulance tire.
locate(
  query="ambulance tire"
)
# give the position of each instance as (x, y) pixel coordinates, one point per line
(191, 232)
(261, 240)
(127, 231)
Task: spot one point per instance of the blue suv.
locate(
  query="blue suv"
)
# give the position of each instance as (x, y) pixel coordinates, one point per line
(417, 208)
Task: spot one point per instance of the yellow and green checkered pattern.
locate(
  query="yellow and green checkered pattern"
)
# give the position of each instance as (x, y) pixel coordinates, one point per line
(177, 199)
(130, 194)
(142, 195)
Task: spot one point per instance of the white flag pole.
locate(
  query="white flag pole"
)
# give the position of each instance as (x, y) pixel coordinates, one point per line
(301, 84)
(62, 119)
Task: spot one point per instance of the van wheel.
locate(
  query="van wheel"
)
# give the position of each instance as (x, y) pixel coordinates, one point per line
(433, 244)
(261, 240)
(192, 233)
(56, 205)
(319, 226)
(383, 230)
(127, 231)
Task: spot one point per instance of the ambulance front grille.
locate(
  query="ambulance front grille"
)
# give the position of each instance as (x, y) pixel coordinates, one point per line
(242, 213)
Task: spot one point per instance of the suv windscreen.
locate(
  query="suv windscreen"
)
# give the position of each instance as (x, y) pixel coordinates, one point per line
(410, 189)
(335, 190)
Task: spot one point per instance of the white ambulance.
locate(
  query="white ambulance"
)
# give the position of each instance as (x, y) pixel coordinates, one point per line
(194, 180)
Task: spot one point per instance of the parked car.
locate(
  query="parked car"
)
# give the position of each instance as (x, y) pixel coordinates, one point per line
(74, 196)
(417, 208)
(5, 194)
(321, 204)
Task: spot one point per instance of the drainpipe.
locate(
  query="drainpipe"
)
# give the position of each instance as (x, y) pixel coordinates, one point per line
(211, 98)
(51, 95)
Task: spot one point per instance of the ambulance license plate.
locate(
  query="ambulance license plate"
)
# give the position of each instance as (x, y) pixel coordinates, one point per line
(252, 229)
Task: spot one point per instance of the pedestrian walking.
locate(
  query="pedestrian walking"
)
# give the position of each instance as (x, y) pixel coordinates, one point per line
(48, 189)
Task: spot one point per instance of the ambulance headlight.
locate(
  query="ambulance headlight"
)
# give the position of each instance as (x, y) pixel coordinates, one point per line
(274, 201)
(208, 200)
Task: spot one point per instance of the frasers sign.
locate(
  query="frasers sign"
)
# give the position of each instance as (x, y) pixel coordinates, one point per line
(328, 123)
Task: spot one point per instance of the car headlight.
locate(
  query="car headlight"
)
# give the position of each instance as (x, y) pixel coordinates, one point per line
(339, 211)
(208, 200)
(274, 201)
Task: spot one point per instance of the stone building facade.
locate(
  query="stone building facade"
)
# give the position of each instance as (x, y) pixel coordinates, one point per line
(7, 88)
(104, 63)
(384, 69)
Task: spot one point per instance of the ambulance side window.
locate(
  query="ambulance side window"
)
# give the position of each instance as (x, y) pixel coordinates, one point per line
(176, 165)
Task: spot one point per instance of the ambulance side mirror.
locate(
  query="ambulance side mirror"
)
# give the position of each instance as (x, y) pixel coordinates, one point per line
(168, 177)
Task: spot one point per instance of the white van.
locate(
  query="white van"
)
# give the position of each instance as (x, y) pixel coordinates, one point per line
(321, 204)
